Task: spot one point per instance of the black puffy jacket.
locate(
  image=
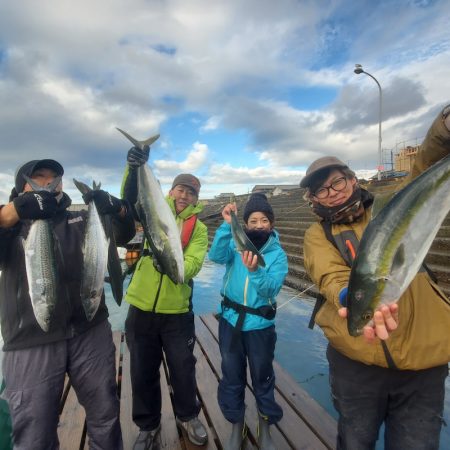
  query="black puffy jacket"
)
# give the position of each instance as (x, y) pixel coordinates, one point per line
(19, 326)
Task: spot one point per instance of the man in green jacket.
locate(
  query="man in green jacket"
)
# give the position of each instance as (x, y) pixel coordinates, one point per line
(160, 317)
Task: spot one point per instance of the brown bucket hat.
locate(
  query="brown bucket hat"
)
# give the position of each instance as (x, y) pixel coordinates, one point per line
(325, 162)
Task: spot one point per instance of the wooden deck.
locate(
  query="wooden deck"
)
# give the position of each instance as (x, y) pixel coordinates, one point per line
(305, 424)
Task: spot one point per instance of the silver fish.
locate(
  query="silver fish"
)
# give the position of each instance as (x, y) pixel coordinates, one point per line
(395, 243)
(160, 227)
(242, 241)
(95, 257)
(40, 263)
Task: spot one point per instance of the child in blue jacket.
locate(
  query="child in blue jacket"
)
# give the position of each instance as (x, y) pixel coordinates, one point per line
(246, 327)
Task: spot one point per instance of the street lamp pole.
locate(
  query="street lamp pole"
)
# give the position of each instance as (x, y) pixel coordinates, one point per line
(358, 70)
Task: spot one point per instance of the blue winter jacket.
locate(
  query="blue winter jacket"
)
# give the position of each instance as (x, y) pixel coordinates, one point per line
(253, 289)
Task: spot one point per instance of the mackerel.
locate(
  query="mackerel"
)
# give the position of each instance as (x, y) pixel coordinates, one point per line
(40, 263)
(95, 257)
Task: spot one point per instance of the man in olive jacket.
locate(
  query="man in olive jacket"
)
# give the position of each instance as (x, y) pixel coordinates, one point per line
(160, 316)
(396, 372)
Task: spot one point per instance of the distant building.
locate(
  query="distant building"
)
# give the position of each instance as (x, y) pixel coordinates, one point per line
(404, 160)
(274, 189)
(283, 189)
(225, 195)
(390, 174)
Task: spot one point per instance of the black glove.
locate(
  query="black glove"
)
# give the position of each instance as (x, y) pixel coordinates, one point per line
(36, 205)
(137, 157)
(105, 203)
(130, 188)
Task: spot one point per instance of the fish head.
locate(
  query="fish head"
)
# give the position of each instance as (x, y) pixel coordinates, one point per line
(362, 299)
(43, 313)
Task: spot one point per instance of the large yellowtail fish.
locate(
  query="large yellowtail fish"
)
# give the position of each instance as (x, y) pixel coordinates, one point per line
(395, 243)
(160, 227)
(40, 248)
(95, 257)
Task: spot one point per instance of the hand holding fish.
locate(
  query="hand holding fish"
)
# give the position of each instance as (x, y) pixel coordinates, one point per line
(105, 202)
(36, 205)
(250, 260)
(385, 320)
(137, 157)
(226, 212)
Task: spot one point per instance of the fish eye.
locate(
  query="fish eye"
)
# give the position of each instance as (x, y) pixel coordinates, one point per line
(367, 315)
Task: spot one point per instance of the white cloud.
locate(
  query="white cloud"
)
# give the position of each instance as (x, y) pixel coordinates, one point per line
(68, 79)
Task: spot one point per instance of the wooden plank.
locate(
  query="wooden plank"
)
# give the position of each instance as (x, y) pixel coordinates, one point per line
(129, 430)
(169, 438)
(117, 340)
(295, 429)
(211, 348)
(71, 423)
(117, 336)
(309, 410)
(207, 388)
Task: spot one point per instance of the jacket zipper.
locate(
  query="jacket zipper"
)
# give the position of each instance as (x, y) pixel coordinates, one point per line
(157, 293)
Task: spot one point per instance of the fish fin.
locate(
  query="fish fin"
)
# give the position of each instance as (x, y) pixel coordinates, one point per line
(379, 202)
(49, 188)
(96, 186)
(82, 187)
(399, 258)
(139, 144)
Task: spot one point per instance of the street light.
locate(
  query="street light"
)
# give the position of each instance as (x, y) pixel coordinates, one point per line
(358, 70)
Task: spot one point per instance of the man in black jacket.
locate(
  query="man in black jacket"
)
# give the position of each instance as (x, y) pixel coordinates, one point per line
(35, 361)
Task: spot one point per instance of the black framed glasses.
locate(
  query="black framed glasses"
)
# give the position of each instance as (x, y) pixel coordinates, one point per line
(337, 185)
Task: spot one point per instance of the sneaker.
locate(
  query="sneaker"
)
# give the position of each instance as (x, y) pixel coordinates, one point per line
(146, 439)
(195, 430)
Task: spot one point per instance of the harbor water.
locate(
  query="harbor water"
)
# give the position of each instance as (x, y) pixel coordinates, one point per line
(299, 350)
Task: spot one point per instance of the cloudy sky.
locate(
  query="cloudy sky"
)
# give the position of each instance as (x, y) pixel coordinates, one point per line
(242, 92)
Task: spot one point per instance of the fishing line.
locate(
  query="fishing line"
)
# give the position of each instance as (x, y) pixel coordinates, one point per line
(295, 296)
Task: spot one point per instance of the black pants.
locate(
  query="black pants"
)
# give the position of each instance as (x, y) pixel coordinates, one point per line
(409, 402)
(149, 335)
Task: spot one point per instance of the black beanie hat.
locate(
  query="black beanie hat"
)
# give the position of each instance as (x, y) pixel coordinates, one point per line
(31, 166)
(258, 203)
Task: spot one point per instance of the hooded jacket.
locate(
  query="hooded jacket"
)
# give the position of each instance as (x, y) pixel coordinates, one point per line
(150, 290)
(422, 339)
(19, 326)
(253, 289)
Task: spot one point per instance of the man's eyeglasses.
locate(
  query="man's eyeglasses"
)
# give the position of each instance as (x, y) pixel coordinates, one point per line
(337, 185)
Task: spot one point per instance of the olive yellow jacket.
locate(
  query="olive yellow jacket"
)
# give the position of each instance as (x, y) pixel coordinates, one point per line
(422, 339)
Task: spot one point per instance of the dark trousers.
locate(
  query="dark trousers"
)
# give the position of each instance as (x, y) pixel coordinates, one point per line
(34, 383)
(258, 348)
(149, 335)
(409, 402)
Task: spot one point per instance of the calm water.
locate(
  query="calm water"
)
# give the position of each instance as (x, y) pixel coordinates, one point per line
(299, 350)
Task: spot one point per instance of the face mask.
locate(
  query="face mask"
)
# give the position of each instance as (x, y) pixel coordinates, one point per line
(348, 212)
(258, 237)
